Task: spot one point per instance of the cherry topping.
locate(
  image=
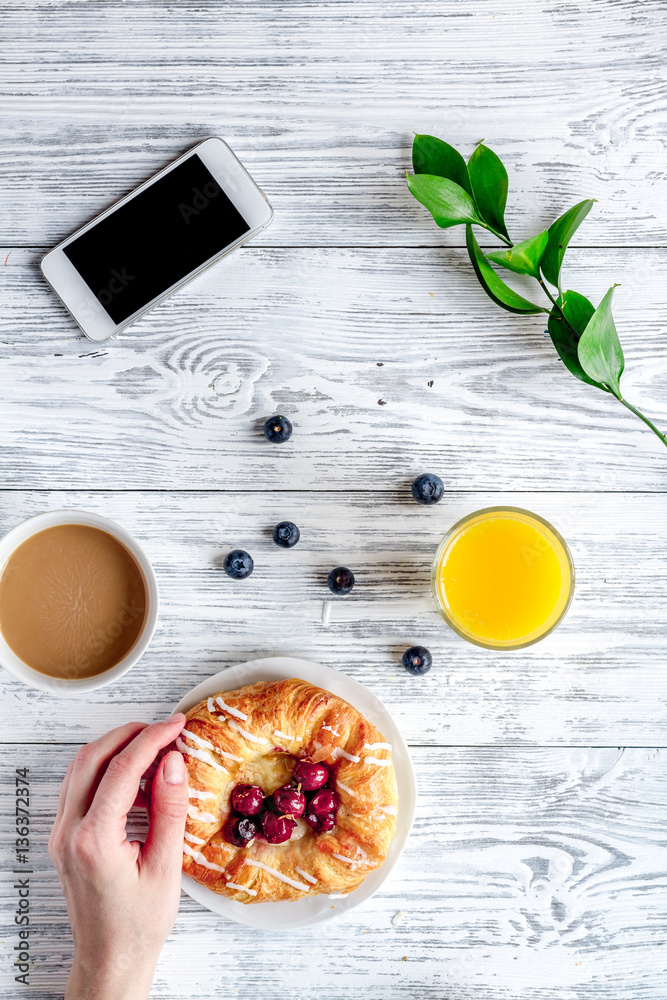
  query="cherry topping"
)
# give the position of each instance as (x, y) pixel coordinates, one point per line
(321, 824)
(289, 801)
(277, 829)
(323, 803)
(310, 776)
(247, 800)
(239, 830)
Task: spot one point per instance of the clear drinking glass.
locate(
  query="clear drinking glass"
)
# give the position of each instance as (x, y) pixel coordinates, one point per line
(503, 578)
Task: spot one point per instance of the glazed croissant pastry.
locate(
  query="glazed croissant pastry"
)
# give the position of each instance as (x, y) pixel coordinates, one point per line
(292, 793)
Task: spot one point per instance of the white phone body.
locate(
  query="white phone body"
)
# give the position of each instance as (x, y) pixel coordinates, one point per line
(237, 187)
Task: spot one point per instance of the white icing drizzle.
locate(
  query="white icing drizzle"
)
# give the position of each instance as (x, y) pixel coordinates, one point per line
(390, 810)
(245, 733)
(331, 730)
(232, 711)
(308, 878)
(377, 746)
(235, 885)
(209, 746)
(197, 739)
(193, 840)
(194, 793)
(210, 706)
(376, 760)
(203, 817)
(283, 736)
(199, 754)
(277, 874)
(339, 752)
(201, 860)
(346, 789)
(349, 861)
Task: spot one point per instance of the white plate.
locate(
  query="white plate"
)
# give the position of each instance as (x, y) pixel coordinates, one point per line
(305, 912)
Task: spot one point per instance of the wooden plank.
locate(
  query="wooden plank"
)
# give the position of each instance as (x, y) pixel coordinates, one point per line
(533, 873)
(599, 679)
(530, 875)
(322, 103)
(389, 362)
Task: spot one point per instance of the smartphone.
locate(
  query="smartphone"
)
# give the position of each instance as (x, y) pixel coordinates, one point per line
(157, 238)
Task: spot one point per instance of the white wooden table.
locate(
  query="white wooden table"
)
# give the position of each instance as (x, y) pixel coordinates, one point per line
(537, 865)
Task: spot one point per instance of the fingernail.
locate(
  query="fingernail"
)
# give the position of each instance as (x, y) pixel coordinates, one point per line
(177, 716)
(174, 769)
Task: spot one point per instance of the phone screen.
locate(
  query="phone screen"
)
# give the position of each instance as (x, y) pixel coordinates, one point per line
(157, 238)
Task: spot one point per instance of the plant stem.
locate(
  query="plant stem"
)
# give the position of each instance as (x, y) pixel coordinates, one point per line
(490, 229)
(555, 303)
(638, 413)
(629, 406)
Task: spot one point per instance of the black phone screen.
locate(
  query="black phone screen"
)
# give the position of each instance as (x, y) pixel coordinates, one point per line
(157, 238)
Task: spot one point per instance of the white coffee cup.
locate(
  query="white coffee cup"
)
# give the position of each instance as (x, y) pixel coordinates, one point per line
(8, 658)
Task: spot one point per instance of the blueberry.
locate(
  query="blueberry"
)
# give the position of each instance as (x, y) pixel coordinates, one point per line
(428, 489)
(417, 660)
(238, 564)
(286, 534)
(277, 429)
(341, 580)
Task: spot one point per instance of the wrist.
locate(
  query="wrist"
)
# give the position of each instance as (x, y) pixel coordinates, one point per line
(121, 978)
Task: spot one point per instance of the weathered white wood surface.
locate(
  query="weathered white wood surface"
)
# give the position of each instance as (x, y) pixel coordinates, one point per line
(535, 872)
(389, 362)
(599, 679)
(321, 100)
(531, 875)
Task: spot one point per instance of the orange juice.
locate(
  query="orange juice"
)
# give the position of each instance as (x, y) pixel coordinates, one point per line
(503, 578)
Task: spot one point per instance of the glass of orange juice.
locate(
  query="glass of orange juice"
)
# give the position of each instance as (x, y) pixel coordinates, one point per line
(503, 578)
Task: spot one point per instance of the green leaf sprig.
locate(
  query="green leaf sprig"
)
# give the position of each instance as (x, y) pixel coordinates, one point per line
(475, 194)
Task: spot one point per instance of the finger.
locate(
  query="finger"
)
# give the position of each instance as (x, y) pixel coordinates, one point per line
(163, 850)
(62, 794)
(120, 783)
(89, 765)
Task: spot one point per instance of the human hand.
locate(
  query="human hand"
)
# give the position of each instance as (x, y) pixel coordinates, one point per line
(122, 896)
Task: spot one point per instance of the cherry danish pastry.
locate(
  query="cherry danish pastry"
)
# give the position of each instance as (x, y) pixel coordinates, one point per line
(292, 793)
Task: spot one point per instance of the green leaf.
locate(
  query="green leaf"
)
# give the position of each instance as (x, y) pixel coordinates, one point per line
(523, 258)
(447, 202)
(578, 311)
(488, 178)
(433, 156)
(600, 352)
(494, 286)
(560, 234)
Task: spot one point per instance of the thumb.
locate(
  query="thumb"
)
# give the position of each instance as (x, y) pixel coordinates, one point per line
(163, 849)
